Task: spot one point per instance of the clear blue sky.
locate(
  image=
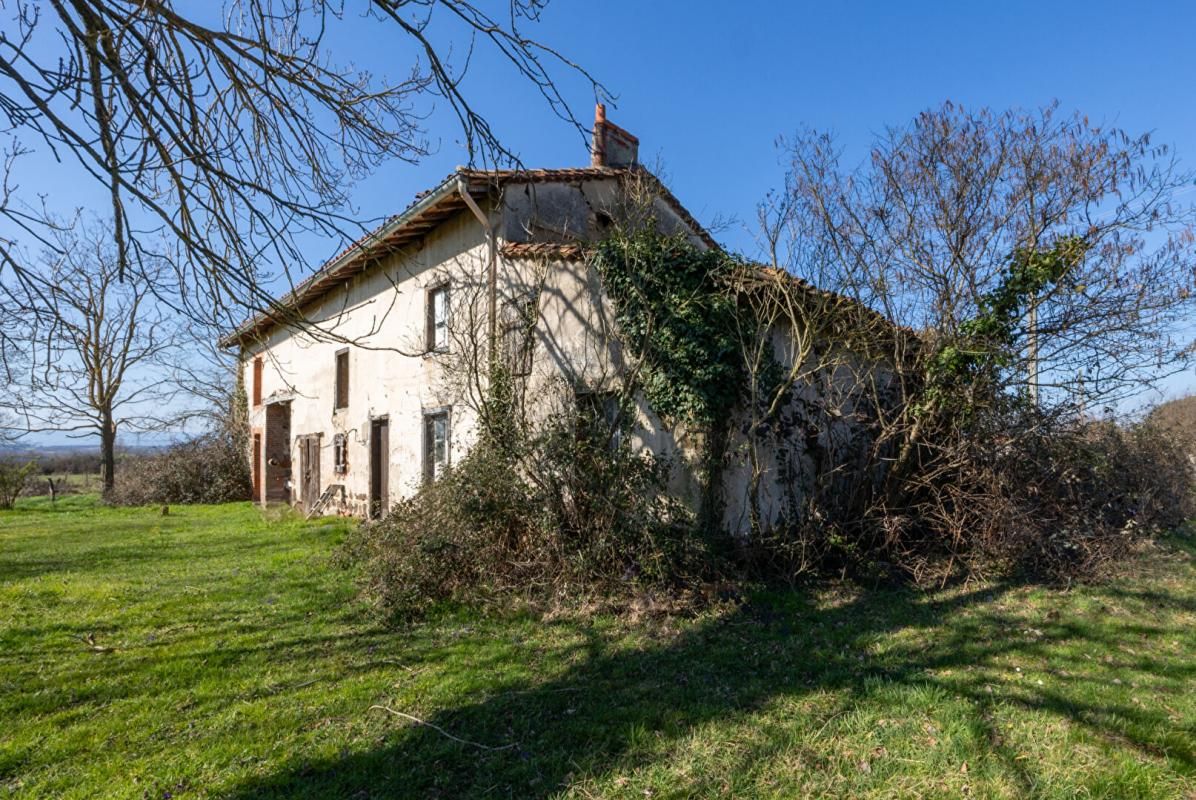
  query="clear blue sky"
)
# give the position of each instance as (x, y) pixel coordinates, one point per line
(709, 86)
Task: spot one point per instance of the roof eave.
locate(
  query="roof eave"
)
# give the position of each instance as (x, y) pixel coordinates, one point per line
(477, 183)
(333, 271)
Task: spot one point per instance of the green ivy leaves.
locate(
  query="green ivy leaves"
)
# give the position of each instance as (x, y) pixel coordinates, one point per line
(987, 342)
(675, 313)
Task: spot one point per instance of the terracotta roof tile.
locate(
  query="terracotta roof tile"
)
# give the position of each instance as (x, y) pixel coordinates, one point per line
(541, 250)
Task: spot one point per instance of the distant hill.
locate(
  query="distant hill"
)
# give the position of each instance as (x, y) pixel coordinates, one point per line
(80, 459)
(19, 450)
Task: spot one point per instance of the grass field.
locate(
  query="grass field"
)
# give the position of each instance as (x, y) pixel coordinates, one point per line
(215, 653)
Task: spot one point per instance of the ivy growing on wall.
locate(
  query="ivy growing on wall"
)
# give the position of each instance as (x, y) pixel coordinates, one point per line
(675, 312)
(700, 324)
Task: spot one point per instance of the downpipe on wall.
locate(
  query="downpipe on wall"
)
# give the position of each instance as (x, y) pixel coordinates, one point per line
(491, 267)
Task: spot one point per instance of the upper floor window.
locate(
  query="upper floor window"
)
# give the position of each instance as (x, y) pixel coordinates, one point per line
(342, 379)
(518, 336)
(438, 314)
(257, 381)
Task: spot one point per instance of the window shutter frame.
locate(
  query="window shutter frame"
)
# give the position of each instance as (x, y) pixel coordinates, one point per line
(430, 419)
(432, 323)
(340, 398)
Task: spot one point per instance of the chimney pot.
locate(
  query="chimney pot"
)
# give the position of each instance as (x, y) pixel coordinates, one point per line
(611, 146)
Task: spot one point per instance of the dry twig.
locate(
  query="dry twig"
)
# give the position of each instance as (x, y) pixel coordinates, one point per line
(440, 730)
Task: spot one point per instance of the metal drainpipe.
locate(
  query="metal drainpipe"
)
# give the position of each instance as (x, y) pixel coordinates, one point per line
(491, 264)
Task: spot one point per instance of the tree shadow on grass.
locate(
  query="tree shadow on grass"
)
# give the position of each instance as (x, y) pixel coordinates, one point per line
(113, 559)
(615, 708)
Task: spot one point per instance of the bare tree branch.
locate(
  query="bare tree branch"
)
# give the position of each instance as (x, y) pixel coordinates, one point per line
(230, 135)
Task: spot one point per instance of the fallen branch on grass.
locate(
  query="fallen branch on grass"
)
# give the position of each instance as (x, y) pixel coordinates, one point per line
(90, 641)
(440, 730)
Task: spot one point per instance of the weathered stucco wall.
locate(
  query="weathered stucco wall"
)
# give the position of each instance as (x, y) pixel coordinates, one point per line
(382, 310)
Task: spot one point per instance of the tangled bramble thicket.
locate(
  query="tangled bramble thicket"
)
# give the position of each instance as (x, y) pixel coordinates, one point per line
(567, 514)
(209, 468)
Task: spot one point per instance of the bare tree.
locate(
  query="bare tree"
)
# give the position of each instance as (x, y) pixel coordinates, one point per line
(1033, 264)
(230, 132)
(99, 352)
(928, 228)
(1038, 257)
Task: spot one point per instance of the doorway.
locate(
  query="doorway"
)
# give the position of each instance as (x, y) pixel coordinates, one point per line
(309, 470)
(257, 468)
(278, 452)
(379, 467)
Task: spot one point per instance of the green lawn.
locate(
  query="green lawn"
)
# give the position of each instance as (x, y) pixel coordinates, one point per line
(215, 653)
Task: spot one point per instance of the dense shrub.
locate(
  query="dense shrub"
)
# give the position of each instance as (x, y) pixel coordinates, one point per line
(1178, 419)
(1053, 500)
(1057, 501)
(566, 515)
(570, 518)
(212, 468)
(13, 476)
(1073, 501)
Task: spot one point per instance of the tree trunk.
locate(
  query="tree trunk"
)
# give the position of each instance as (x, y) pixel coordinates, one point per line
(107, 454)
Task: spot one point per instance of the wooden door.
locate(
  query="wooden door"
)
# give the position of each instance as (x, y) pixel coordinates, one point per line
(309, 463)
(257, 468)
(379, 467)
(278, 446)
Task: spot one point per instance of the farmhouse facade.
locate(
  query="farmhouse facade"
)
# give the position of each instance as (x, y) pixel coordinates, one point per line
(365, 394)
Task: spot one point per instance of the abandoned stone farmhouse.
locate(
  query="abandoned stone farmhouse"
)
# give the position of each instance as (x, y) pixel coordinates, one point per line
(367, 398)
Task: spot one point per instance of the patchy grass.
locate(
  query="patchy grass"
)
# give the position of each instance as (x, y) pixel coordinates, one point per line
(216, 653)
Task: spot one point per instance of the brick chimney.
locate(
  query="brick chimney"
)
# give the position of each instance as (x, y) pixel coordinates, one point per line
(612, 146)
